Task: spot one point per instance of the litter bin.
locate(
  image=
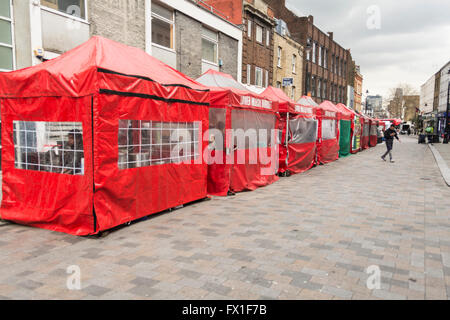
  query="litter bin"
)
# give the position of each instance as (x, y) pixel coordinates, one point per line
(422, 138)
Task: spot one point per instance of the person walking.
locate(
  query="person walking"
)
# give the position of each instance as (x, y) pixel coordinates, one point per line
(389, 136)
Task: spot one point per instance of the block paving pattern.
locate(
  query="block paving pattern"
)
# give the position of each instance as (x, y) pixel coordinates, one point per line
(309, 236)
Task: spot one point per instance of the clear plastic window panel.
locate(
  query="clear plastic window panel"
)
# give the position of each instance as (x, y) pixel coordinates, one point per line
(373, 130)
(302, 130)
(328, 129)
(217, 118)
(148, 143)
(365, 132)
(49, 146)
(254, 124)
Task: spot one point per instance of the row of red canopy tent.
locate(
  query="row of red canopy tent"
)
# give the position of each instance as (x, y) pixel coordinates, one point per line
(93, 139)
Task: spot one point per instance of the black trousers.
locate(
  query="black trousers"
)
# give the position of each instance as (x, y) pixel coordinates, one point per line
(389, 146)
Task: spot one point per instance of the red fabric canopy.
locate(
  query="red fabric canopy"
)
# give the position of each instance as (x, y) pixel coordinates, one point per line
(346, 114)
(297, 149)
(74, 73)
(117, 97)
(244, 110)
(328, 146)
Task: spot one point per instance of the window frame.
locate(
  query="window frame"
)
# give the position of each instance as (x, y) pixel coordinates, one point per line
(258, 27)
(249, 28)
(280, 53)
(314, 52)
(249, 74)
(65, 14)
(215, 42)
(13, 43)
(165, 20)
(261, 77)
(268, 37)
(267, 78)
(294, 64)
(320, 56)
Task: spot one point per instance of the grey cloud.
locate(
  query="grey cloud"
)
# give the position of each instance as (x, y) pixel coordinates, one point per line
(412, 43)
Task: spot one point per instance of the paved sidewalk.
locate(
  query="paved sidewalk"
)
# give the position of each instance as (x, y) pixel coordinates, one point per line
(309, 236)
(442, 155)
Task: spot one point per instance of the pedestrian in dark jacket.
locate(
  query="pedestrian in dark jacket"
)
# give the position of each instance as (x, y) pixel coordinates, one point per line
(389, 136)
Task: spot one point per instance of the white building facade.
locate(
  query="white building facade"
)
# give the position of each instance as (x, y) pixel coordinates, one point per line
(427, 96)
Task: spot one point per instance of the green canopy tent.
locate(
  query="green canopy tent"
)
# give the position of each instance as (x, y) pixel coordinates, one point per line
(345, 130)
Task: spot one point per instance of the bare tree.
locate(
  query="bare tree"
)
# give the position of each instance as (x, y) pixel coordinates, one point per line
(396, 101)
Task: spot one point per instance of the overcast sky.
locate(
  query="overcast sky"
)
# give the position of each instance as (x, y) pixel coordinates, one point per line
(407, 44)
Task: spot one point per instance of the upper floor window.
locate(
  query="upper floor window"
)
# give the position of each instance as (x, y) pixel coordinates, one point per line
(267, 78)
(209, 45)
(162, 26)
(294, 62)
(75, 8)
(267, 37)
(293, 92)
(6, 37)
(280, 51)
(319, 88)
(325, 58)
(49, 146)
(259, 34)
(314, 52)
(249, 72)
(308, 52)
(258, 77)
(249, 28)
(320, 56)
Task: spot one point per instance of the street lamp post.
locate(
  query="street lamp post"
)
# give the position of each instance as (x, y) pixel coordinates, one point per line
(307, 50)
(367, 104)
(447, 127)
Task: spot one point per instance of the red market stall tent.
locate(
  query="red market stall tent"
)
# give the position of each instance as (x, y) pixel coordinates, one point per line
(100, 136)
(365, 136)
(239, 160)
(345, 130)
(373, 133)
(328, 137)
(356, 132)
(298, 132)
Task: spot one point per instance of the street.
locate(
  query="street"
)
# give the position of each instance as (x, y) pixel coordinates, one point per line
(309, 236)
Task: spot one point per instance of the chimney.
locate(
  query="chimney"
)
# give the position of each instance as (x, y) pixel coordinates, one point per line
(330, 34)
(311, 19)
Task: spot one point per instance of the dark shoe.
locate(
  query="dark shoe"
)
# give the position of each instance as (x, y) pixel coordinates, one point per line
(392, 161)
(383, 158)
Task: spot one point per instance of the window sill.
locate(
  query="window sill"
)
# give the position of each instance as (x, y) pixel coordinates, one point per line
(211, 63)
(163, 48)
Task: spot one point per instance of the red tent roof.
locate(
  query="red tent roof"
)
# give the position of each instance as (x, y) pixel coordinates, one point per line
(346, 114)
(226, 91)
(286, 104)
(329, 110)
(74, 72)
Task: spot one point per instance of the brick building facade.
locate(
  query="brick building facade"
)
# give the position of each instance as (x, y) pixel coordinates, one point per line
(287, 62)
(326, 64)
(358, 90)
(257, 21)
